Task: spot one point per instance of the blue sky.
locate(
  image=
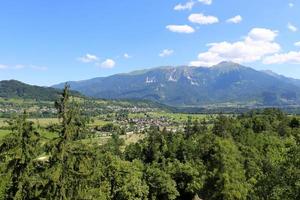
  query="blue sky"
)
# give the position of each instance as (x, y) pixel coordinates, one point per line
(49, 41)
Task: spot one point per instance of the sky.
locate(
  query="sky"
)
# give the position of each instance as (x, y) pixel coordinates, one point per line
(45, 42)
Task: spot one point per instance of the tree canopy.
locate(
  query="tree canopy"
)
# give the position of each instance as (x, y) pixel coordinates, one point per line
(251, 156)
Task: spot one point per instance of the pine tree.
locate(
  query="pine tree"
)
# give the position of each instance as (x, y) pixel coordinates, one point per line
(70, 160)
(17, 152)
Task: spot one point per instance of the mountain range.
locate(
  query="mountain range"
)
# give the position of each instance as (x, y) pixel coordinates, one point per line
(222, 84)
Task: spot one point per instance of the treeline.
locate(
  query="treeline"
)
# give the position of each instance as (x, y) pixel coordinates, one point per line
(15, 89)
(251, 156)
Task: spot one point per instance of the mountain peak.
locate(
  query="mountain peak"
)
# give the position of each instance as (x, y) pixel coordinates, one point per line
(227, 64)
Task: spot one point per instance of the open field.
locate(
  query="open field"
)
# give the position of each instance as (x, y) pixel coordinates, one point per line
(3, 133)
(45, 134)
(44, 121)
(178, 117)
(98, 122)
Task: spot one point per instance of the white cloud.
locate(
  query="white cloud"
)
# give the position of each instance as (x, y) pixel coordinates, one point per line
(292, 28)
(235, 20)
(127, 56)
(297, 44)
(21, 66)
(187, 6)
(258, 43)
(166, 53)
(291, 5)
(88, 58)
(108, 63)
(262, 34)
(207, 2)
(207, 59)
(202, 19)
(180, 28)
(3, 66)
(291, 57)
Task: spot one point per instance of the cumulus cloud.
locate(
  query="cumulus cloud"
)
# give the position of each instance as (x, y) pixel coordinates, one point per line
(258, 43)
(207, 59)
(88, 58)
(291, 57)
(292, 28)
(262, 34)
(180, 28)
(187, 6)
(166, 53)
(200, 18)
(108, 63)
(235, 20)
(206, 2)
(297, 44)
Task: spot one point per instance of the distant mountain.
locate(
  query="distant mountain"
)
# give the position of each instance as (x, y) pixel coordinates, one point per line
(225, 83)
(17, 89)
(283, 78)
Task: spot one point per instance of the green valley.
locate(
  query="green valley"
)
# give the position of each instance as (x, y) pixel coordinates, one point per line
(130, 152)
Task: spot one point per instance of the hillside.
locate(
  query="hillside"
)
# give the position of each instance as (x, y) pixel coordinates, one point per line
(16, 89)
(225, 83)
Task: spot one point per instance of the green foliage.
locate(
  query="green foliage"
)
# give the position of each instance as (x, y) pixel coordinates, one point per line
(114, 145)
(251, 156)
(161, 184)
(17, 152)
(16, 89)
(226, 179)
(123, 179)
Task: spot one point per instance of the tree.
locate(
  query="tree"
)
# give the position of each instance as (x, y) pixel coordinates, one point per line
(222, 126)
(69, 163)
(161, 185)
(294, 123)
(122, 180)
(188, 129)
(17, 152)
(226, 179)
(189, 178)
(114, 145)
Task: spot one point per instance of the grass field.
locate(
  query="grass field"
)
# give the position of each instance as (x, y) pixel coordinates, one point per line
(39, 121)
(99, 122)
(180, 117)
(129, 139)
(47, 121)
(44, 134)
(3, 133)
(44, 121)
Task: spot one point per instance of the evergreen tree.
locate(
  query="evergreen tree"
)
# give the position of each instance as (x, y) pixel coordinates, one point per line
(17, 152)
(69, 163)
